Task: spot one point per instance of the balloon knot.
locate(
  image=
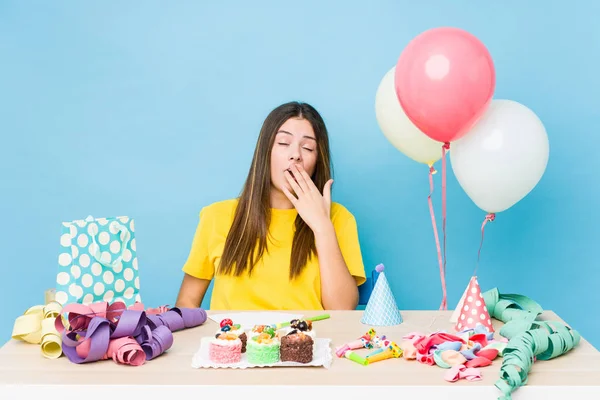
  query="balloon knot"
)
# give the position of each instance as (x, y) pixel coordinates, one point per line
(446, 146)
(490, 217)
(432, 170)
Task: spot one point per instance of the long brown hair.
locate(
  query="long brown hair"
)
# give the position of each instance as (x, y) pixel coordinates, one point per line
(247, 238)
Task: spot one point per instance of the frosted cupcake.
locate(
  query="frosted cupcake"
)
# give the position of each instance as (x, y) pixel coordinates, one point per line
(225, 348)
(227, 326)
(263, 348)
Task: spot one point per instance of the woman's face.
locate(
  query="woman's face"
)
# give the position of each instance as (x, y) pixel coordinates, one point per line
(295, 143)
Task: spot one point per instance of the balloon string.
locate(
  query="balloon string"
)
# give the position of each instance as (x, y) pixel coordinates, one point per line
(443, 305)
(445, 148)
(488, 218)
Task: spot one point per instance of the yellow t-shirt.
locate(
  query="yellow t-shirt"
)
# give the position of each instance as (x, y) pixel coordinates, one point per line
(268, 288)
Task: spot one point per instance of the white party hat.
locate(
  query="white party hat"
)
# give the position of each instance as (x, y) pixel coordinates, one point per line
(381, 309)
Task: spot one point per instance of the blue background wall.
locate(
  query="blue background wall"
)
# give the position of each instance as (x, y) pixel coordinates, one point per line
(152, 110)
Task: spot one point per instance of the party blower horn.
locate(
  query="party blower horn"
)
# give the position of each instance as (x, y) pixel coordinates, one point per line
(351, 355)
(392, 351)
(362, 342)
(380, 344)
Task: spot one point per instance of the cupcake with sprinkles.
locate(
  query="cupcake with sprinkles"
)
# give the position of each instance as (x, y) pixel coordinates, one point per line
(263, 348)
(227, 326)
(225, 348)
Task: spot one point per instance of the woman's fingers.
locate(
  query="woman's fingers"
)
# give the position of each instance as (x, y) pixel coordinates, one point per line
(293, 183)
(303, 179)
(309, 182)
(290, 196)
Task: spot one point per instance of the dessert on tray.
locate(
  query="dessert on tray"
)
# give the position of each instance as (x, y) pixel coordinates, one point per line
(263, 348)
(225, 348)
(290, 343)
(296, 346)
(300, 325)
(227, 326)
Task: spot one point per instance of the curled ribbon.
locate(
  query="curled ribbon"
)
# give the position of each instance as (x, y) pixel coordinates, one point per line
(529, 338)
(516, 311)
(130, 336)
(102, 331)
(36, 326)
(547, 340)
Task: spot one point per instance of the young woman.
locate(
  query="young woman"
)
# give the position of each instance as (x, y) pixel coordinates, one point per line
(283, 244)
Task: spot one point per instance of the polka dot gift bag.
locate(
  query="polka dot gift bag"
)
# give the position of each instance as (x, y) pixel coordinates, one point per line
(98, 262)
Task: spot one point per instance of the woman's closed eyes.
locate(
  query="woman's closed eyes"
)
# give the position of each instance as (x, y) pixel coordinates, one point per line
(287, 144)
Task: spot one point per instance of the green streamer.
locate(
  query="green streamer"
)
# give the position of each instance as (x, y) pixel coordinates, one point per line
(529, 339)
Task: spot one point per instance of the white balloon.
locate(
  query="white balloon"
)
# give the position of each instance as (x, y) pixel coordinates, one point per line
(399, 129)
(503, 157)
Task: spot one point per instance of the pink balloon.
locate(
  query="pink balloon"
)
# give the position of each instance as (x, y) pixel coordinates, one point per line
(445, 80)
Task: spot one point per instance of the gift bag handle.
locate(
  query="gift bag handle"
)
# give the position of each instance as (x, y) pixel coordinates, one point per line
(96, 255)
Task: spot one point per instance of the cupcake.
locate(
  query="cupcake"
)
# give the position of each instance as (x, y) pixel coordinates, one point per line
(263, 348)
(225, 348)
(296, 346)
(227, 326)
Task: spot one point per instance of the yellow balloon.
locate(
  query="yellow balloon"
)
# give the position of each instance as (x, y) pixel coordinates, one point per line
(399, 129)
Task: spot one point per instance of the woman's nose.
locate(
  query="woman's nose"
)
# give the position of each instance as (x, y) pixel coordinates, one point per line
(295, 155)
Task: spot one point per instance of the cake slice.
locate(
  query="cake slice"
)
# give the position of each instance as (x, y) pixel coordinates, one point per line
(300, 325)
(296, 347)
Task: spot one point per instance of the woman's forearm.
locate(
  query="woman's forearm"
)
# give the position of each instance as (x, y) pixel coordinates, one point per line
(338, 287)
(191, 292)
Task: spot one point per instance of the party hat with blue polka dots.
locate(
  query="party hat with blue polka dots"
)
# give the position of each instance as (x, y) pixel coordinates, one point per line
(381, 309)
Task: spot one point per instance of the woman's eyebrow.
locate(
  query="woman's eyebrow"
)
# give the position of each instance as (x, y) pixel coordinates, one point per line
(291, 134)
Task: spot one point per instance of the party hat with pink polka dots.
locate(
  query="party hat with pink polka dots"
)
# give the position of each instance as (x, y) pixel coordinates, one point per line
(471, 310)
(381, 309)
